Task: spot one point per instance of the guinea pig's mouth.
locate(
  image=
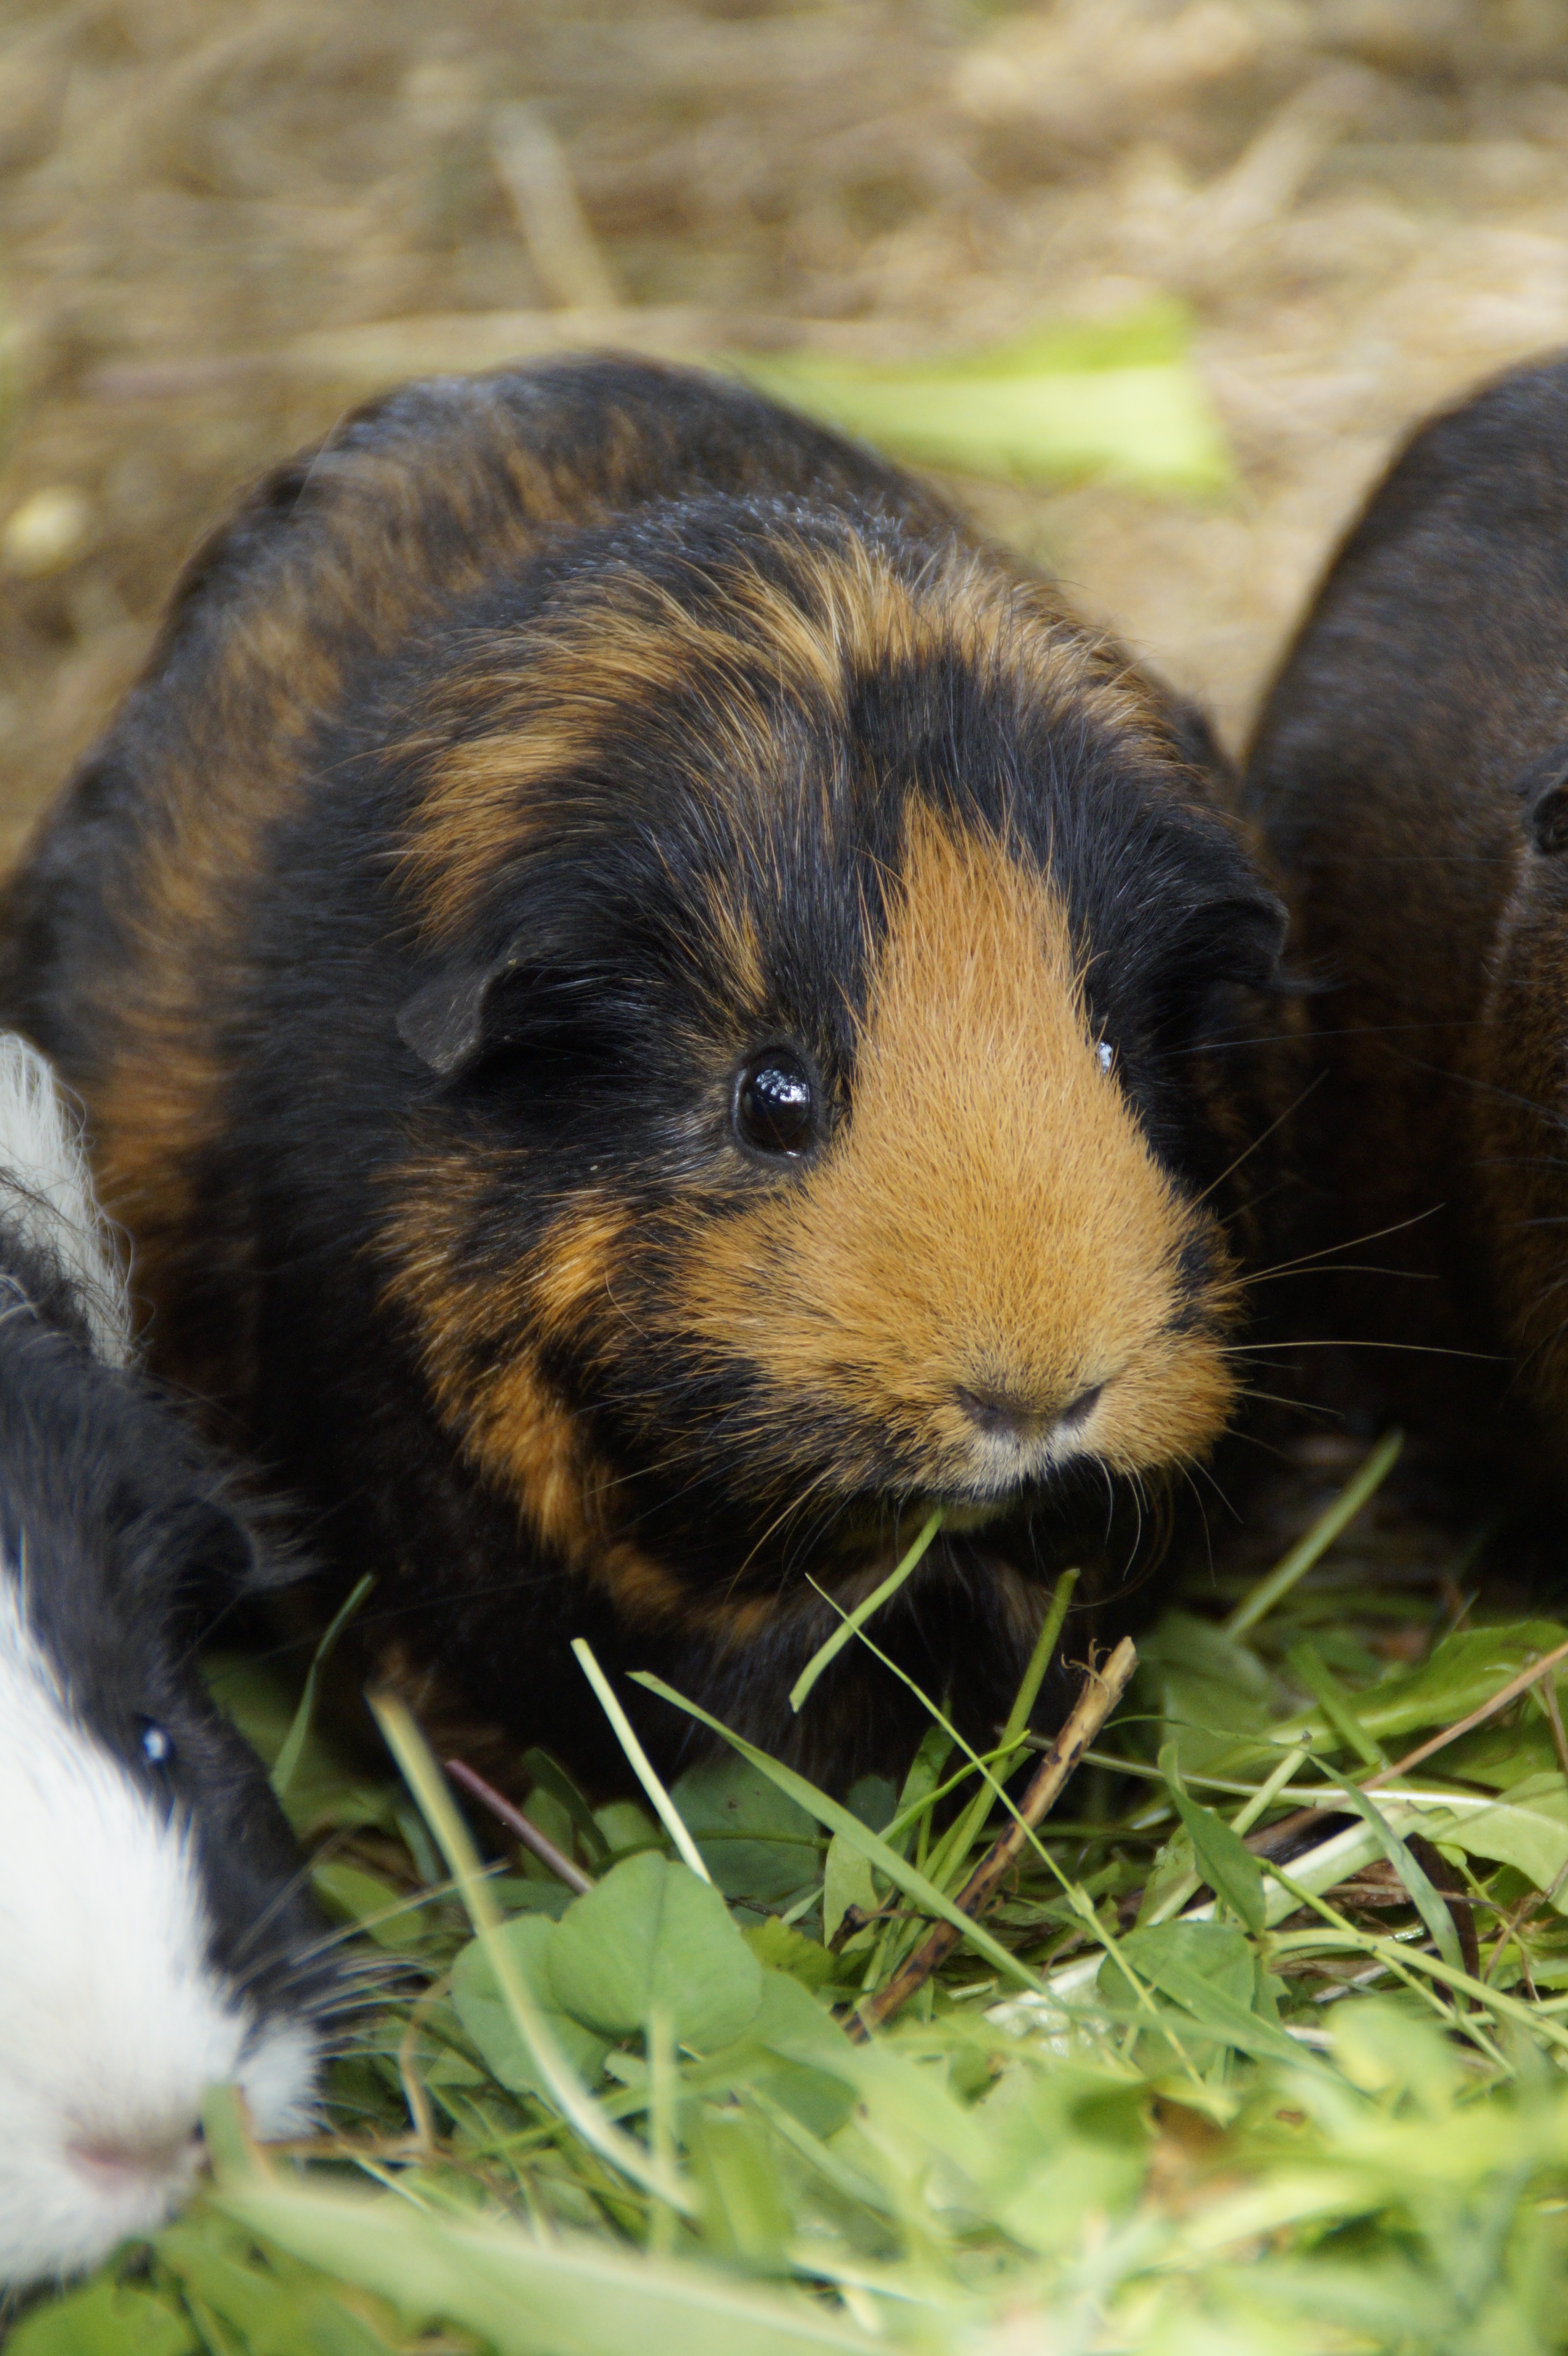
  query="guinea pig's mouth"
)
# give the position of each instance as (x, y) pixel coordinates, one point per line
(879, 1518)
(961, 1515)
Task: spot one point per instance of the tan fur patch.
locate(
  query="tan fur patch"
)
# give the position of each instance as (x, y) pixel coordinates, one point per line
(990, 1219)
(510, 1421)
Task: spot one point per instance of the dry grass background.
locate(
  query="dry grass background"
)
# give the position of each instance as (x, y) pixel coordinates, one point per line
(221, 223)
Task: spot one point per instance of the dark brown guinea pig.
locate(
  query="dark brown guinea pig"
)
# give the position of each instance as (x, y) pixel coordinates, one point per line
(1410, 774)
(644, 1000)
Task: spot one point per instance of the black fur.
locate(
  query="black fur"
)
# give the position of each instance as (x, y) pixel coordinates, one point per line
(125, 1542)
(585, 1031)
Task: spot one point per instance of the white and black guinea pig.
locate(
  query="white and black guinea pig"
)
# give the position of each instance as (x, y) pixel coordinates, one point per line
(153, 1940)
(656, 1010)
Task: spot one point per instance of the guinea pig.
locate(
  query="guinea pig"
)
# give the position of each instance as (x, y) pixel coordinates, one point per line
(154, 1939)
(656, 1011)
(1409, 771)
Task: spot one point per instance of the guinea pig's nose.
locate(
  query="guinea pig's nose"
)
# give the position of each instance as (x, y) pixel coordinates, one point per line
(140, 2154)
(1002, 1413)
(1079, 1410)
(1005, 1415)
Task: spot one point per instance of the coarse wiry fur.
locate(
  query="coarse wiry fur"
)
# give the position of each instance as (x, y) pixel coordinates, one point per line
(511, 773)
(1408, 771)
(150, 1929)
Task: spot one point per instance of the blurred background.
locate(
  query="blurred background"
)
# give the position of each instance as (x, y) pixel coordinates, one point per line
(221, 225)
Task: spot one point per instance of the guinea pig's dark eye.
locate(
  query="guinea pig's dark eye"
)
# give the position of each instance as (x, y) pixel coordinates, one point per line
(157, 1744)
(775, 1111)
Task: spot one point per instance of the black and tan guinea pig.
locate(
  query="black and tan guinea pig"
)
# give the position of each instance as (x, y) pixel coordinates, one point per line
(656, 1011)
(1411, 773)
(154, 1938)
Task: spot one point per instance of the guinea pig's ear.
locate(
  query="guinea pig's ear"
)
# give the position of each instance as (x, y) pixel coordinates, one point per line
(1544, 790)
(444, 1022)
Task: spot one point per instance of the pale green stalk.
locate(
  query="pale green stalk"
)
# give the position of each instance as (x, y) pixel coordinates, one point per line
(288, 1758)
(854, 1620)
(642, 1765)
(1261, 1600)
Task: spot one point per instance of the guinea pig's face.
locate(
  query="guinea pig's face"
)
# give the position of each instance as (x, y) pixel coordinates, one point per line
(151, 1934)
(817, 951)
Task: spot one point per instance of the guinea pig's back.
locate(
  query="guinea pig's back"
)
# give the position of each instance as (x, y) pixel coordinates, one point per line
(411, 504)
(1385, 776)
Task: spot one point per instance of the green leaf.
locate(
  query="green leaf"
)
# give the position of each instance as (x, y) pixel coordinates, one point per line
(517, 1893)
(874, 1800)
(846, 1881)
(623, 1825)
(1173, 1879)
(323, 1790)
(488, 2019)
(1210, 1970)
(1225, 1861)
(735, 2161)
(1464, 1671)
(784, 1948)
(275, 2312)
(754, 1840)
(1528, 1830)
(926, 1772)
(548, 1775)
(1057, 406)
(106, 2318)
(651, 1935)
(794, 2053)
(357, 1897)
(1386, 2050)
(1498, 1755)
(288, 1758)
(1211, 1691)
(530, 2297)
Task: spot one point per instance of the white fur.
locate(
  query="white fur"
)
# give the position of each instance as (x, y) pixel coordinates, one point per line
(46, 1193)
(113, 2023)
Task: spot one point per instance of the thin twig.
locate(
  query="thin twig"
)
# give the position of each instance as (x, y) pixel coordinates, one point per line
(1103, 1688)
(543, 1847)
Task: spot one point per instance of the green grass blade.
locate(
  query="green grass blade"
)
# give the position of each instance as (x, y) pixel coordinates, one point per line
(854, 1620)
(534, 2297)
(288, 1758)
(642, 1766)
(1279, 1581)
(888, 1862)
